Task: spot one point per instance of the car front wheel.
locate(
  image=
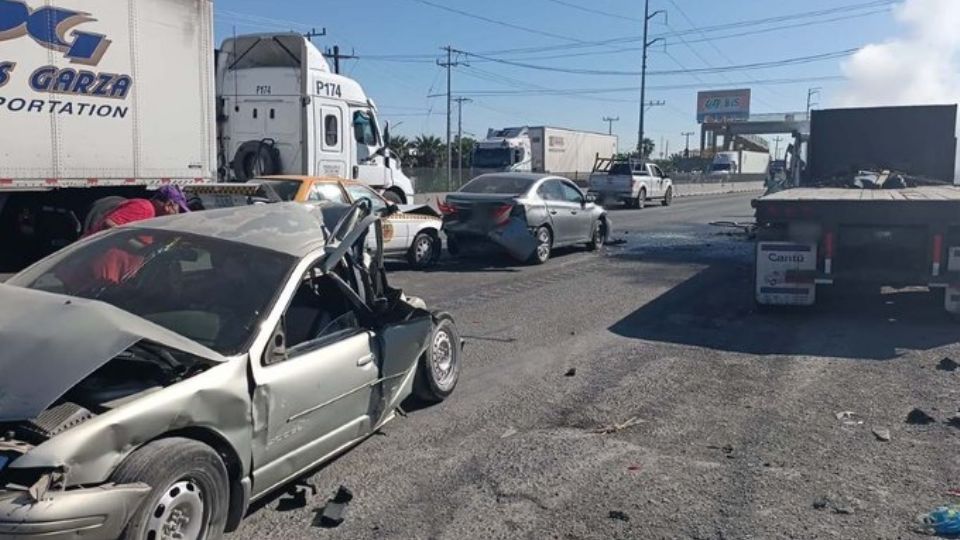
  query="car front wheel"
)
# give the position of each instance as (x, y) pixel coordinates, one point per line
(190, 492)
(439, 369)
(599, 235)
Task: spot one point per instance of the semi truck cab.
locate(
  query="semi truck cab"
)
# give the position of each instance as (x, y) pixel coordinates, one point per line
(281, 110)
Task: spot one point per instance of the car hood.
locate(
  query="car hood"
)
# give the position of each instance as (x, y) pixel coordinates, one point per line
(51, 342)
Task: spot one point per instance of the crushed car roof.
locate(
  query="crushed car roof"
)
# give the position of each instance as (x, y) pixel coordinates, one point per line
(293, 228)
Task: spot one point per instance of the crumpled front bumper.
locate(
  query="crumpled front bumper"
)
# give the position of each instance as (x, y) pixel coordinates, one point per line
(98, 513)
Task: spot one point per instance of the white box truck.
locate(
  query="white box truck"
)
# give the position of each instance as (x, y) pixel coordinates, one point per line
(543, 149)
(117, 97)
(740, 162)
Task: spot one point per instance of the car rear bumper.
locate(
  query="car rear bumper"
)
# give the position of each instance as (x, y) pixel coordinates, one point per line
(91, 513)
(514, 237)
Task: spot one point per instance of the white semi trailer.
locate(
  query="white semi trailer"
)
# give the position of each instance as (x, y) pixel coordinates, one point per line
(118, 97)
(543, 149)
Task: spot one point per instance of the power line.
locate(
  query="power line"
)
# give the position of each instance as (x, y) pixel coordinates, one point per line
(709, 70)
(497, 22)
(596, 11)
(631, 89)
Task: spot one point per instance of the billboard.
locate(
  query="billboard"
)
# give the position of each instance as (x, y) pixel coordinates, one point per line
(719, 106)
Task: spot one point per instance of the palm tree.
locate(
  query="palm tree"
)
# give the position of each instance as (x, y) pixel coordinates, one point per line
(401, 147)
(430, 151)
(648, 146)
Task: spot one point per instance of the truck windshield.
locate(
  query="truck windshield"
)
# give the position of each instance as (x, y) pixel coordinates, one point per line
(212, 291)
(492, 158)
(720, 167)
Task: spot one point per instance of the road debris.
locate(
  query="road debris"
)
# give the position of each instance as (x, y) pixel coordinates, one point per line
(510, 432)
(572, 372)
(838, 504)
(634, 468)
(947, 364)
(849, 418)
(726, 449)
(617, 514)
(953, 492)
(297, 497)
(882, 434)
(606, 430)
(333, 514)
(919, 418)
(954, 421)
(945, 520)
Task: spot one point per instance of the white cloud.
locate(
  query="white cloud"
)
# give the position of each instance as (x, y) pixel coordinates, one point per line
(919, 66)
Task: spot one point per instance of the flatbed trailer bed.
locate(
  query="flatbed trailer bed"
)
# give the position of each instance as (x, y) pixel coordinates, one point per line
(815, 237)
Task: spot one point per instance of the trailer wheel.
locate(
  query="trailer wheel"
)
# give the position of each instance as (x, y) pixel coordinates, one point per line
(256, 158)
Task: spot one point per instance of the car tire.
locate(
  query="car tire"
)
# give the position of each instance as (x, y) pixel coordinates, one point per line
(668, 197)
(641, 200)
(189, 480)
(439, 369)
(394, 197)
(599, 237)
(424, 250)
(542, 253)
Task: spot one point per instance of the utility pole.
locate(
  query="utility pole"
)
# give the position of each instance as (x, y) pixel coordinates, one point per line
(610, 120)
(337, 57)
(687, 135)
(643, 71)
(313, 33)
(460, 101)
(810, 93)
(449, 64)
(776, 148)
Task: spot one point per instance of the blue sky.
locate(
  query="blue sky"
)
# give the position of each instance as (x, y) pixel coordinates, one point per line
(400, 86)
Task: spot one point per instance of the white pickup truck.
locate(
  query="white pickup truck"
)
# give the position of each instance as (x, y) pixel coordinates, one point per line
(630, 182)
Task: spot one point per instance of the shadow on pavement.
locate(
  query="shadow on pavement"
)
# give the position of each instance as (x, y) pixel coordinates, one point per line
(715, 309)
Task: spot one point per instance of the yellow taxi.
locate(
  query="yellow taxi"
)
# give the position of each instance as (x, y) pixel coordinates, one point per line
(413, 232)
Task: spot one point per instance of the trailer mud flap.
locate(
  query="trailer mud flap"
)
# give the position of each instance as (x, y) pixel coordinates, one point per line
(784, 274)
(951, 295)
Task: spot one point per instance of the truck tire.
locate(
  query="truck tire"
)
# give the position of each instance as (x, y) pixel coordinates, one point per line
(190, 495)
(394, 196)
(439, 369)
(668, 197)
(256, 158)
(641, 200)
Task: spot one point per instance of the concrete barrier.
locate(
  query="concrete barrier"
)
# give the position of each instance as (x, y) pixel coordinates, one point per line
(680, 190)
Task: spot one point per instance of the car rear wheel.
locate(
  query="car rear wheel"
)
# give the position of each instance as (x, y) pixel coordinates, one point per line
(439, 369)
(190, 494)
(425, 250)
(544, 246)
(641, 199)
(668, 197)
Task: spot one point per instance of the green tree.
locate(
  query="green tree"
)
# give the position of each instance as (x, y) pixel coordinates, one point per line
(401, 147)
(648, 146)
(430, 151)
(464, 147)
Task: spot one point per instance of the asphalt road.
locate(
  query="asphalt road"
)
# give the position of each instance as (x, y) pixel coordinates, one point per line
(727, 415)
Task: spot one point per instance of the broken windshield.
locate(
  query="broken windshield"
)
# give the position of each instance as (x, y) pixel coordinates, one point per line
(211, 291)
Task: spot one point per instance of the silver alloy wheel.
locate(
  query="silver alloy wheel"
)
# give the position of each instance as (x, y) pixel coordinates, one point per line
(543, 244)
(423, 249)
(599, 235)
(444, 359)
(179, 514)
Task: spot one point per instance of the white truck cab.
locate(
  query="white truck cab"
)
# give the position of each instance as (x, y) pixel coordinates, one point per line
(505, 150)
(630, 182)
(281, 110)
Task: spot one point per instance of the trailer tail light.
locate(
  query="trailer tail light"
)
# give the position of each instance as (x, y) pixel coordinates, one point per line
(937, 253)
(828, 246)
(446, 209)
(501, 214)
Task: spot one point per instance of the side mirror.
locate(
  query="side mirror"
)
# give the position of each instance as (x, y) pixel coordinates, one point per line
(277, 348)
(591, 198)
(391, 209)
(386, 134)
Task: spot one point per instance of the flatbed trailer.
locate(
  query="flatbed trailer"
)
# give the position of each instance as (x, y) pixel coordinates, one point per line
(819, 237)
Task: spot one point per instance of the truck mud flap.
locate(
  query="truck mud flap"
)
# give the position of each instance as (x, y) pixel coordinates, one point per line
(785, 274)
(951, 296)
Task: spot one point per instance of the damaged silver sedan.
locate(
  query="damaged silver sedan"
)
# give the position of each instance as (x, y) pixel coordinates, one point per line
(159, 377)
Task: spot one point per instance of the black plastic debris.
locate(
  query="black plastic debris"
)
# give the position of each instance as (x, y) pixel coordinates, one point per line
(335, 511)
(617, 514)
(297, 497)
(572, 372)
(919, 418)
(947, 364)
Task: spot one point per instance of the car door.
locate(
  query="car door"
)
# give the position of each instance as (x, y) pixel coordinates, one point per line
(315, 383)
(396, 233)
(558, 211)
(581, 222)
(657, 181)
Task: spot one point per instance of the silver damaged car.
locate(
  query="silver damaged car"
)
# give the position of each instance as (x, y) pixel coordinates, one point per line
(159, 377)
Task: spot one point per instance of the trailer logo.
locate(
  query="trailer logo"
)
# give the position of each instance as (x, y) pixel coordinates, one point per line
(49, 27)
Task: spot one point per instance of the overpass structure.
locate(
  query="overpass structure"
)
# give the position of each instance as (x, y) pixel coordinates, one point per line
(740, 132)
